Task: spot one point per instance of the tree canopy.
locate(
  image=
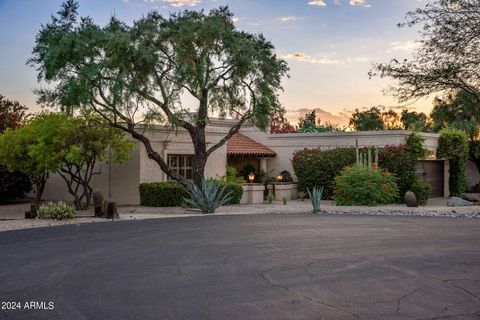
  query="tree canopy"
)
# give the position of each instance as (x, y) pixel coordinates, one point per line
(133, 75)
(448, 53)
(69, 146)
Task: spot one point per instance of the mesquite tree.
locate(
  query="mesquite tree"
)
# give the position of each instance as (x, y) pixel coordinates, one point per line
(448, 54)
(144, 73)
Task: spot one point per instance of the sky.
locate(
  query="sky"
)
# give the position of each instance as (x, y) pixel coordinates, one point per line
(329, 45)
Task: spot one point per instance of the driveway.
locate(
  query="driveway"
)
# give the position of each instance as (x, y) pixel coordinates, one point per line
(245, 267)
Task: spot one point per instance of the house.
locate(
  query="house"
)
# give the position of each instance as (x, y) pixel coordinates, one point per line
(264, 151)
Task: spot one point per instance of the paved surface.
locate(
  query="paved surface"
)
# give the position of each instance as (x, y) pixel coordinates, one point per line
(246, 267)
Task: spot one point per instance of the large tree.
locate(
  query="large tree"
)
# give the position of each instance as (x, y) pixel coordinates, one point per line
(133, 75)
(460, 110)
(368, 120)
(69, 146)
(448, 53)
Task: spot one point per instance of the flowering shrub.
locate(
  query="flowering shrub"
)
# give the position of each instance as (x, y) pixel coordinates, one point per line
(358, 185)
(315, 167)
(402, 161)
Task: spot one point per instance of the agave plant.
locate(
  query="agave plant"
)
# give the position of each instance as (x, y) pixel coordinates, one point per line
(209, 197)
(316, 197)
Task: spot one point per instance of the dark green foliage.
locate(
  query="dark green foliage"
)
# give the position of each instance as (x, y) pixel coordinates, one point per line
(234, 190)
(358, 185)
(453, 145)
(422, 190)
(162, 194)
(13, 185)
(314, 167)
(171, 194)
(369, 120)
(402, 161)
(414, 121)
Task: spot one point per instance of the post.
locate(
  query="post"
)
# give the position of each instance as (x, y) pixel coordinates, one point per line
(112, 211)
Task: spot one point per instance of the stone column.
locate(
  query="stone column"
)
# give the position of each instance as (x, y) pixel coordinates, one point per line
(263, 164)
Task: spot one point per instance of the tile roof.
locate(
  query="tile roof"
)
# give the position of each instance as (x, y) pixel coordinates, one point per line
(240, 145)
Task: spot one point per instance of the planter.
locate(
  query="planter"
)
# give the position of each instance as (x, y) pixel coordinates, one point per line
(252, 193)
(289, 190)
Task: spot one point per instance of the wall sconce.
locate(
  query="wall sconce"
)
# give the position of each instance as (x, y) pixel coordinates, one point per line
(279, 178)
(251, 177)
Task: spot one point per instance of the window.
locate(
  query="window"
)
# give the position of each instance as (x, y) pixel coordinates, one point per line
(181, 164)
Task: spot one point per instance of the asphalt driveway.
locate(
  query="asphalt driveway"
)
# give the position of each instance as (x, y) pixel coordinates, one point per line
(245, 267)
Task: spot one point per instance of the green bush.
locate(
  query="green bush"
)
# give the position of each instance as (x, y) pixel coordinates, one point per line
(422, 190)
(162, 194)
(402, 161)
(58, 211)
(235, 190)
(358, 185)
(453, 145)
(172, 194)
(314, 167)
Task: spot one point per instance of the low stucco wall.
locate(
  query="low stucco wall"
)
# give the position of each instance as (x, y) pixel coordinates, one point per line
(286, 144)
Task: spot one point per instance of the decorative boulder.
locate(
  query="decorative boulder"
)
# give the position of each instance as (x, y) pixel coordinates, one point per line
(410, 199)
(458, 202)
(472, 197)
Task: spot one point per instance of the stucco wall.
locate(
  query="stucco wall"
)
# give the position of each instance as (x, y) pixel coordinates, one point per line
(286, 144)
(118, 182)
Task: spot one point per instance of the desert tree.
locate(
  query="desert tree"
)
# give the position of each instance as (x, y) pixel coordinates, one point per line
(147, 72)
(448, 52)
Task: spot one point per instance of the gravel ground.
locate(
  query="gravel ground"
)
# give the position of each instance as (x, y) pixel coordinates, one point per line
(12, 216)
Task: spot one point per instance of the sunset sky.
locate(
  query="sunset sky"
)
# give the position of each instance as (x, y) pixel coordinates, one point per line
(329, 45)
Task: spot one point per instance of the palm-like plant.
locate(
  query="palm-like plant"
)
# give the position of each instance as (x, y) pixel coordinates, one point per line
(316, 197)
(209, 197)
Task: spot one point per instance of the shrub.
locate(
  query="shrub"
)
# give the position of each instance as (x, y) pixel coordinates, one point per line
(422, 190)
(209, 197)
(232, 175)
(13, 185)
(358, 185)
(234, 189)
(172, 194)
(162, 194)
(58, 211)
(453, 145)
(402, 161)
(315, 167)
(399, 161)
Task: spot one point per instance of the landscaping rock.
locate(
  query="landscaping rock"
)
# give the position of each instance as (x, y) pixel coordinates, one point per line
(472, 197)
(410, 199)
(458, 202)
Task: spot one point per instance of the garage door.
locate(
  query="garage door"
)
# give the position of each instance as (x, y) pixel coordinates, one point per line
(431, 171)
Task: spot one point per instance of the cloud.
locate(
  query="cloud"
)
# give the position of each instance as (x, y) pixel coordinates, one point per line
(408, 45)
(317, 3)
(181, 3)
(357, 3)
(290, 18)
(309, 59)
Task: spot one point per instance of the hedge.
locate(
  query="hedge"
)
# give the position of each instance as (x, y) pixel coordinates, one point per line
(171, 194)
(235, 189)
(453, 145)
(162, 194)
(314, 167)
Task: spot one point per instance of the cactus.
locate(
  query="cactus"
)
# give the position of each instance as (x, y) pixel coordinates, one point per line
(316, 198)
(366, 159)
(97, 197)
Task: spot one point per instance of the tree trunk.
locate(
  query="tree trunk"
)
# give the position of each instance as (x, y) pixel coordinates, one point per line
(200, 158)
(40, 182)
